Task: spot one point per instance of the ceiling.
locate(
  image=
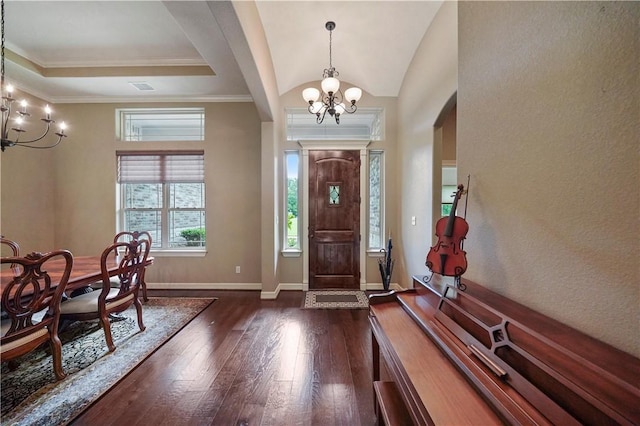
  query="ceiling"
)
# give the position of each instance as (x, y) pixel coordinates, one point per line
(91, 51)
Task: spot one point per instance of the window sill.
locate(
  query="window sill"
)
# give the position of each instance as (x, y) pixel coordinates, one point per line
(376, 253)
(178, 253)
(291, 253)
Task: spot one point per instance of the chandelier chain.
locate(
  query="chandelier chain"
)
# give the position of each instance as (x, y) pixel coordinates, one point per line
(331, 71)
(330, 42)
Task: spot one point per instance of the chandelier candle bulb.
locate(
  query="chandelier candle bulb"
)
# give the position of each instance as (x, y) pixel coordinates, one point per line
(19, 122)
(353, 95)
(311, 94)
(330, 85)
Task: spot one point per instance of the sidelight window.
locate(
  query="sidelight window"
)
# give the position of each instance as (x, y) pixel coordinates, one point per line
(292, 224)
(376, 200)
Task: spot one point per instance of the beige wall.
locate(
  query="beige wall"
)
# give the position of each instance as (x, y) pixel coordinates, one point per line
(548, 110)
(67, 195)
(27, 190)
(429, 83)
(449, 128)
(269, 242)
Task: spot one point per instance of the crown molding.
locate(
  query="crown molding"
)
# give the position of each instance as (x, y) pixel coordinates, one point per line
(147, 99)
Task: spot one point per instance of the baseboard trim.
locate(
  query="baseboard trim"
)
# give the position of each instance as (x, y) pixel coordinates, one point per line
(271, 295)
(267, 295)
(204, 286)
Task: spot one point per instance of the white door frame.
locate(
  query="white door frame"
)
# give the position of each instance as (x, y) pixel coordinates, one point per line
(344, 145)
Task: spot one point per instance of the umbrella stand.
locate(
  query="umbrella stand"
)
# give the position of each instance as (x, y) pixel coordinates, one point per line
(385, 265)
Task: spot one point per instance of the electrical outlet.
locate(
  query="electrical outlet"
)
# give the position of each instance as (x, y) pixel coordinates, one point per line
(237, 269)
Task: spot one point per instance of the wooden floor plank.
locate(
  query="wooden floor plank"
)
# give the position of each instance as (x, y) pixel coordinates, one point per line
(250, 361)
(277, 404)
(345, 401)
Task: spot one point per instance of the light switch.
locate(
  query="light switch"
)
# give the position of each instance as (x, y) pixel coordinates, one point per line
(413, 220)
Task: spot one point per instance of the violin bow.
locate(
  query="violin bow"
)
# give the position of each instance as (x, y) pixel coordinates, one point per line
(465, 206)
(466, 199)
(457, 280)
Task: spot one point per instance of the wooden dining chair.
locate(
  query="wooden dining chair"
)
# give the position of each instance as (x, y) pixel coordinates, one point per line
(135, 235)
(100, 304)
(12, 245)
(31, 302)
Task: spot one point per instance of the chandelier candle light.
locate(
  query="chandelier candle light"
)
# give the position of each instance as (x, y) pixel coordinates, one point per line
(21, 115)
(332, 99)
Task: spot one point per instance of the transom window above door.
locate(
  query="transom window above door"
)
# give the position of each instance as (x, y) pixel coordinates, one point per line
(365, 124)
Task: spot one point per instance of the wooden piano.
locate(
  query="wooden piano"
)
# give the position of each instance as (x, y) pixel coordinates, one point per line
(473, 357)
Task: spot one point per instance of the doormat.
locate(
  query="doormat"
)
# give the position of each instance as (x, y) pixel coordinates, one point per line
(335, 299)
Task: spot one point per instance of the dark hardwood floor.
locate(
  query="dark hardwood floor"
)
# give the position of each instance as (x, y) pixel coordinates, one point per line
(247, 361)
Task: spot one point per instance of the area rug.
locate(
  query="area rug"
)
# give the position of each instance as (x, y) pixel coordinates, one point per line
(30, 394)
(335, 299)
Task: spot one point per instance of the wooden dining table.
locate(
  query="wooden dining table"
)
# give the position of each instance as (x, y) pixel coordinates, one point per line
(86, 270)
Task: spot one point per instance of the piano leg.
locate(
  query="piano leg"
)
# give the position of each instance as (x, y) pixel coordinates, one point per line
(375, 351)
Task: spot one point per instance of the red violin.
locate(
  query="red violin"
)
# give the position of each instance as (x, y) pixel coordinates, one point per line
(447, 257)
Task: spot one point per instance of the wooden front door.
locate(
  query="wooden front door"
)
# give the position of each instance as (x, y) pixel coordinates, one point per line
(334, 219)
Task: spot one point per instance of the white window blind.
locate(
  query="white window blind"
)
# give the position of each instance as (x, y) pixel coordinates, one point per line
(160, 167)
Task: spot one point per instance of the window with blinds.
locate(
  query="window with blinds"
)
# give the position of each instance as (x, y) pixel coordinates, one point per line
(161, 124)
(163, 193)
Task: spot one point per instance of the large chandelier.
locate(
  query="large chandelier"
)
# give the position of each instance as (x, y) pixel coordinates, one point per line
(332, 99)
(21, 115)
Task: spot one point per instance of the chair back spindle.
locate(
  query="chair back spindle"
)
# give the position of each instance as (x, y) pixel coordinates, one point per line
(128, 236)
(12, 245)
